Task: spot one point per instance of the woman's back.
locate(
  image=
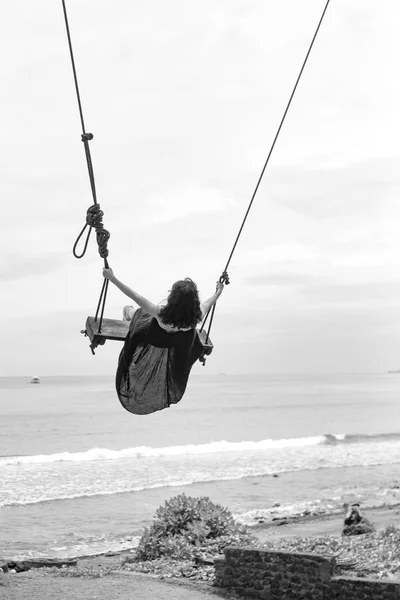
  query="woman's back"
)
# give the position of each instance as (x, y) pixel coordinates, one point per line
(170, 328)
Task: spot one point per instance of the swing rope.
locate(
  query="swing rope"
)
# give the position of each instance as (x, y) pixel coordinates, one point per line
(94, 214)
(224, 277)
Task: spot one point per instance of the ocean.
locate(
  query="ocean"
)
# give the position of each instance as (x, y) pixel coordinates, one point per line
(80, 475)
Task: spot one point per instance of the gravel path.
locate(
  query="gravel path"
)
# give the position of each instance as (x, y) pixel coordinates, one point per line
(36, 585)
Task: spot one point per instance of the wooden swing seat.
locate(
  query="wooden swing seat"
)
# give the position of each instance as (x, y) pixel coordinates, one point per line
(114, 329)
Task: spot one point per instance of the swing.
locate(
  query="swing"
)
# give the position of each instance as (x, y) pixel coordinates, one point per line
(113, 329)
(140, 336)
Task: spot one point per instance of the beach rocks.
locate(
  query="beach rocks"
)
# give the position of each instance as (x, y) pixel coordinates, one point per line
(280, 521)
(204, 559)
(25, 565)
(355, 523)
(359, 528)
(3, 565)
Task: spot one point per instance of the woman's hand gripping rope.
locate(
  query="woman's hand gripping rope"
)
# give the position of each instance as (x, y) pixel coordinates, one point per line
(108, 274)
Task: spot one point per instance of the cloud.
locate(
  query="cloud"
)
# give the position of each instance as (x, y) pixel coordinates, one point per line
(19, 266)
(180, 139)
(188, 200)
(280, 279)
(362, 188)
(378, 294)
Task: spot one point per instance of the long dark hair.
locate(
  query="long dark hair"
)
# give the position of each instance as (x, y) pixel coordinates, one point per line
(183, 305)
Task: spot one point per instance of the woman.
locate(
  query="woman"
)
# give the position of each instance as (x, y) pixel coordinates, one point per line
(161, 347)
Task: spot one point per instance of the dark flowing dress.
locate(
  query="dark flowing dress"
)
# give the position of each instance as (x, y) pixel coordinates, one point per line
(154, 366)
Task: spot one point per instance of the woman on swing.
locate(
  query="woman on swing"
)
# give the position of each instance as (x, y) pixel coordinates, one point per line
(161, 346)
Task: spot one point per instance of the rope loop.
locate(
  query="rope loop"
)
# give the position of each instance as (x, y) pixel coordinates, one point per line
(94, 220)
(86, 242)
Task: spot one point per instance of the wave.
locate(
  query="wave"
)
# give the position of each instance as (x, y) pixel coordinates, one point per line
(135, 488)
(358, 438)
(223, 446)
(249, 517)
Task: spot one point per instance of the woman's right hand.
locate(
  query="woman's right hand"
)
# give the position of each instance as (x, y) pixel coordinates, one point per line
(108, 274)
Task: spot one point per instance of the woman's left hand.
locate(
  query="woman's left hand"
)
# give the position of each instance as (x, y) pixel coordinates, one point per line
(220, 288)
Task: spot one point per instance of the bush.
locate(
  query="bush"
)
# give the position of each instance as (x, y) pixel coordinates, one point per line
(187, 528)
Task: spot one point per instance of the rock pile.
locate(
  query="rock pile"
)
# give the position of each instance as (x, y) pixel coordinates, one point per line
(37, 563)
(355, 523)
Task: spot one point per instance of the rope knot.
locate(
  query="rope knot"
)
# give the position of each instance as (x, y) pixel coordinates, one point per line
(94, 218)
(86, 137)
(102, 237)
(224, 278)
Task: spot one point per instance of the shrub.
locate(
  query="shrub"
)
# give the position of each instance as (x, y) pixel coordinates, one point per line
(187, 528)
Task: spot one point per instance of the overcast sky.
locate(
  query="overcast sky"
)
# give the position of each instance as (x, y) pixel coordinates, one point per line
(184, 99)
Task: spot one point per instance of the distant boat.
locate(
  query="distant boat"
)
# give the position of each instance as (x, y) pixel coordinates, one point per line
(396, 371)
(35, 380)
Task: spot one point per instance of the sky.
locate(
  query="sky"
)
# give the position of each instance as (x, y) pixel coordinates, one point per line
(184, 99)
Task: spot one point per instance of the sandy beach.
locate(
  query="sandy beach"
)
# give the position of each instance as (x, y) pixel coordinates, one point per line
(118, 584)
(327, 524)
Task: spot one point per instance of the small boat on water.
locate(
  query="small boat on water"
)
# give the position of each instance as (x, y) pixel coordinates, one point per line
(35, 380)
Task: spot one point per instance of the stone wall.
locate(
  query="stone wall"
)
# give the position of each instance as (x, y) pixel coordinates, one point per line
(364, 589)
(273, 575)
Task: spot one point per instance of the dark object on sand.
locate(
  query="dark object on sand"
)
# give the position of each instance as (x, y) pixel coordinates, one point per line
(38, 563)
(355, 523)
(3, 566)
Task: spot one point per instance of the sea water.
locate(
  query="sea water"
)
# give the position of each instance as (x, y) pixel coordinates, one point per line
(80, 475)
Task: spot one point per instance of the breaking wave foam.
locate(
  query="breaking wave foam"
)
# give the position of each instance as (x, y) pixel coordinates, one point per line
(148, 452)
(223, 446)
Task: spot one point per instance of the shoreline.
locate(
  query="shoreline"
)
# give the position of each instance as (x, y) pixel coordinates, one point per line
(329, 523)
(299, 524)
(103, 576)
(317, 524)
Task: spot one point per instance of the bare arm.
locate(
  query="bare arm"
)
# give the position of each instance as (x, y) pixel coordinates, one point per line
(207, 304)
(148, 307)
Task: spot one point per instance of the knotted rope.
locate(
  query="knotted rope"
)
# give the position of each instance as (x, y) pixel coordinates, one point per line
(94, 220)
(94, 214)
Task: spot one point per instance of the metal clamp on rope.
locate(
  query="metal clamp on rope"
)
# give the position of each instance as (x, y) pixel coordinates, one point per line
(86, 137)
